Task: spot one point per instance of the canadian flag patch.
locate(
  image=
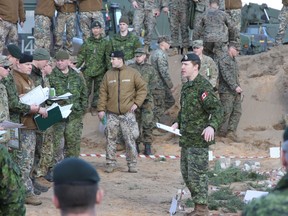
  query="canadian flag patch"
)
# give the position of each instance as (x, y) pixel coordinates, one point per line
(204, 95)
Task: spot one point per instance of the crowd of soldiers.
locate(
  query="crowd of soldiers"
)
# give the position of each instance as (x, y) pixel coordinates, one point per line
(130, 85)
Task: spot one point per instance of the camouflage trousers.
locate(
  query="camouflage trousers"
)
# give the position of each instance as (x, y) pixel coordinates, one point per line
(24, 157)
(8, 34)
(42, 32)
(46, 153)
(236, 19)
(194, 168)
(93, 83)
(232, 111)
(127, 124)
(159, 101)
(145, 120)
(146, 18)
(215, 49)
(65, 21)
(86, 19)
(12, 191)
(67, 138)
(283, 18)
(178, 19)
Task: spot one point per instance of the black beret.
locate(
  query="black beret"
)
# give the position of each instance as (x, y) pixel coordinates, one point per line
(75, 171)
(96, 24)
(25, 58)
(14, 51)
(191, 57)
(117, 54)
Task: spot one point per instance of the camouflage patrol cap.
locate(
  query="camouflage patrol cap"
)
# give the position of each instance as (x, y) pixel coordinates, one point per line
(4, 62)
(140, 52)
(164, 38)
(62, 55)
(124, 19)
(96, 24)
(197, 43)
(41, 54)
(75, 171)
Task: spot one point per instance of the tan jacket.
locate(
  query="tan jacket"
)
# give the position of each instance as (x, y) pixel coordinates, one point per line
(67, 8)
(12, 11)
(90, 5)
(120, 89)
(45, 8)
(24, 84)
(233, 4)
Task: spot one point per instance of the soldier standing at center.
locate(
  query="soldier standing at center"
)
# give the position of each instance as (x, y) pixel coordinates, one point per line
(145, 14)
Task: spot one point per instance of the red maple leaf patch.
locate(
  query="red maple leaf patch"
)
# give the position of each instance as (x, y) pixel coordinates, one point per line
(204, 95)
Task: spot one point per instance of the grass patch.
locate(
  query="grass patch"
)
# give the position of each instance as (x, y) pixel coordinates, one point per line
(225, 200)
(232, 174)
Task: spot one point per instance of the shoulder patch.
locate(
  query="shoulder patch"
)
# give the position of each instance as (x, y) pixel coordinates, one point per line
(204, 95)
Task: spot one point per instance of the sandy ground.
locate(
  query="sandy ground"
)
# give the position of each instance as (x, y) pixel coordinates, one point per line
(149, 192)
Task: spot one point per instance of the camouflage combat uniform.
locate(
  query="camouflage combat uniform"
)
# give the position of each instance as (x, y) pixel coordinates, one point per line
(90, 10)
(95, 53)
(163, 98)
(11, 12)
(24, 156)
(216, 30)
(178, 19)
(44, 139)
(66, 18)
(127, 44)
(119, 90)
(12, 192)
(209, 70)
(145, 15)
(69, 130)
(4, 111)
(274, 204)
(231, 100)
(44, 13)
(283, 18)
(199, 108)
(144, 114)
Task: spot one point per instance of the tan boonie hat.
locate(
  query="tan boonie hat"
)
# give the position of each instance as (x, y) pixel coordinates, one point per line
(197, 43)
(164, 38)
(4, 62)
(140, 52)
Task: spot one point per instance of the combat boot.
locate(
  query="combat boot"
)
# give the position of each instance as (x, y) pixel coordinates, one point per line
(37, 192)
(110, 168)
(147, 150)
(132, 169)
(42, 181)
(137, 148)
(40, 187)
(199, 210)
(33, 200)
(185, 51)
(49, 176)
(174, 51)
(232, 136)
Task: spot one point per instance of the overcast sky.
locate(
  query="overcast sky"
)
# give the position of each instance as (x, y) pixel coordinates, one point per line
(277, 4)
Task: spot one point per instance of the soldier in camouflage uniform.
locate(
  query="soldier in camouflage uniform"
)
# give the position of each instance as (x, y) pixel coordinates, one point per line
(44, 13)
(283, 18)
(11, 12)
(145, 13)
(230, 93)
(216, 30)
(90, 10)
(275, 203)
(122, 91)
(125, 41)
(68, 132)
(66, 18)
(163, 98)
(95, 55)
(198, 119)
(144, 115)
(178, 19)
(208, 69)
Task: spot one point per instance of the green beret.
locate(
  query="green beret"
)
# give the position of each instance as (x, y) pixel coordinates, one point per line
(62, 55)
(75, 171)
(41, 54)
(14, 51)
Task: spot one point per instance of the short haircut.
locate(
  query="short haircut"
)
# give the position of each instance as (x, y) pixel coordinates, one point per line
(76, 198)
(214, 1)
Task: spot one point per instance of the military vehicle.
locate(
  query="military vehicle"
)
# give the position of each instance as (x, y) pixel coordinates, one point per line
(259, 25)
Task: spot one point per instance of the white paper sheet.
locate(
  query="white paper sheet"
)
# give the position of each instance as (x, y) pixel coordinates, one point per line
(62, 97)
(169, 129)
(36, 96)
(8, 124)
